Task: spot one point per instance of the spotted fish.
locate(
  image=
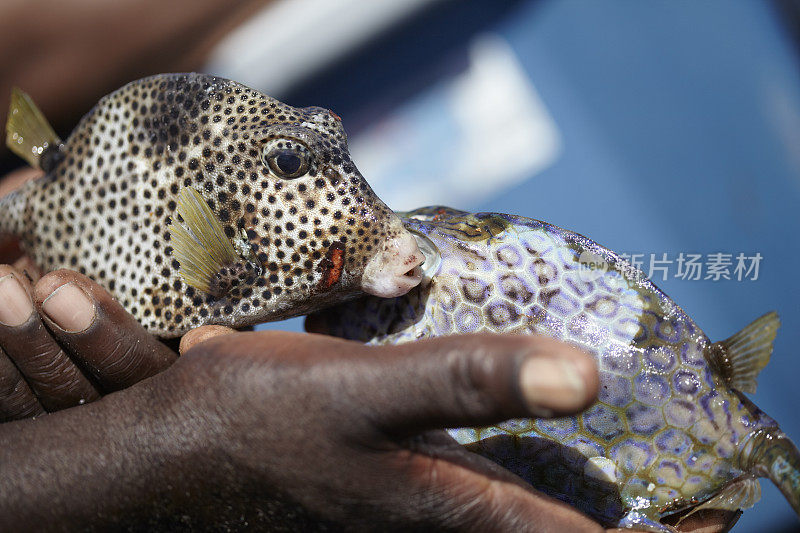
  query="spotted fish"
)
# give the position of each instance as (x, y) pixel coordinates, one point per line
(196, 200)
(671, 432)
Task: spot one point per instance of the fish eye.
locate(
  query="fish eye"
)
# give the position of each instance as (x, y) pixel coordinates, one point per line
(286, 158)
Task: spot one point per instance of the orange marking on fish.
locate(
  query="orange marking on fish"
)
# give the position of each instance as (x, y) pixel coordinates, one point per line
(332, 265)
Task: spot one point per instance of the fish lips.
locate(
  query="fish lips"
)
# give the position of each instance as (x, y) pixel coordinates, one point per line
(395, 270)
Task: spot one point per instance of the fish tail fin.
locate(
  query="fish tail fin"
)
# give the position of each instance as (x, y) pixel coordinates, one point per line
(769, 453)
(28, 134)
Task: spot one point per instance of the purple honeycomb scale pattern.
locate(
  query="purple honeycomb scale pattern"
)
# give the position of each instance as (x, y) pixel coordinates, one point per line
(666, 430)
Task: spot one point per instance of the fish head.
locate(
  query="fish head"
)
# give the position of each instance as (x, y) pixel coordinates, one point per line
(307, 227)
(358, 240)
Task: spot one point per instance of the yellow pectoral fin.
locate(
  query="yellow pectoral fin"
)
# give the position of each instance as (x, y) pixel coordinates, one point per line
(201, 247)
(28, 134)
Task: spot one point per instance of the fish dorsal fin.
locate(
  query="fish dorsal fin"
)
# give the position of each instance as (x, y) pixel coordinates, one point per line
(200, 244)
(742, 356)
(433, 213)
(28, 134)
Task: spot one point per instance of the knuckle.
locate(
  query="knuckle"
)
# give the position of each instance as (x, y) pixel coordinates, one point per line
(472, 379)
(11, 386)
(44, 363)
(112, 358)
(123, 358)
(16, 400)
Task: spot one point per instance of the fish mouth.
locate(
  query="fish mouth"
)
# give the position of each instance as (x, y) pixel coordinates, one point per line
(396, 269)
(433, 259)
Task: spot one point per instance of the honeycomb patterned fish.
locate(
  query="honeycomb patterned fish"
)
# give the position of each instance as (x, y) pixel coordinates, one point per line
(671, 432)
(196, 200)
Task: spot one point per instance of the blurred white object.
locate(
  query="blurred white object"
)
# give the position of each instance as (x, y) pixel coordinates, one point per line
(472, 137)
(464, 138)
(782, 111)
(290, 40)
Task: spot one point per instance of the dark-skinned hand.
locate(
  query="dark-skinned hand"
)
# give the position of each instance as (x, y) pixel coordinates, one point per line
(64, 341)
(297, 431)
(264, 426)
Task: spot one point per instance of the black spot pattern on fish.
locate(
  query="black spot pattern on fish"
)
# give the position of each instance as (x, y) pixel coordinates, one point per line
(106, 209)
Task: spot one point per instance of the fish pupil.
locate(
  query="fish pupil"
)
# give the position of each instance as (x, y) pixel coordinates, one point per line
(288, 163)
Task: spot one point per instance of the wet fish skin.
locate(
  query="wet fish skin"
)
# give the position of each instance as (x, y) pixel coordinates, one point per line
(670, 430)
(267, 245)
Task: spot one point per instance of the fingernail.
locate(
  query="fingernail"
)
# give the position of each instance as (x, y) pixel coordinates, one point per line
(196, 336)
(15, 304)
(70, 308)
(551, 384)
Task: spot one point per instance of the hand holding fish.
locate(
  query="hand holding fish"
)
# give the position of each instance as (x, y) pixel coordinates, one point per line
(64, 341)
(285, 429)
(278, 422)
